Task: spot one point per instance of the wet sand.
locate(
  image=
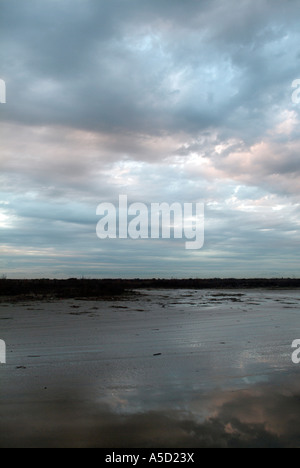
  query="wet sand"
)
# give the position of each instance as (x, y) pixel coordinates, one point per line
(160, 369)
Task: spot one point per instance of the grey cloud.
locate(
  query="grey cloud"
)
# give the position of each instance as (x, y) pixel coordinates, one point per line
(164, 100)
(92, 67)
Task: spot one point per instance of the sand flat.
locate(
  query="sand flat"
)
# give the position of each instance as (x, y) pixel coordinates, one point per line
(83, 373)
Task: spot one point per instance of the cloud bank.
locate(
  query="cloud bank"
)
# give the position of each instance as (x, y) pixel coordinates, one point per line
(163, 101)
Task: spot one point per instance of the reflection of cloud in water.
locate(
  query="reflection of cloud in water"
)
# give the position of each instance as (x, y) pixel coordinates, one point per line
(162, 374)
(265, 416)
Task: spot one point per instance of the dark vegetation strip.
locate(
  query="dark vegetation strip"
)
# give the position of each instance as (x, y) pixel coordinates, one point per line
(111, 288)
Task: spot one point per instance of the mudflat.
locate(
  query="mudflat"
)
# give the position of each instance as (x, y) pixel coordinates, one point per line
(158, 368)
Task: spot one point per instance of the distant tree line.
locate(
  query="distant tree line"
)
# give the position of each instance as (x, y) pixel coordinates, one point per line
(110, 288)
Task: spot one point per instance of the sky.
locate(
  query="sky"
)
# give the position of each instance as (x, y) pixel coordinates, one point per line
(175, 101)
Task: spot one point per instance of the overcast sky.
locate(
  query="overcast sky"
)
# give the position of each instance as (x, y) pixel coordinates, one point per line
(162, 101)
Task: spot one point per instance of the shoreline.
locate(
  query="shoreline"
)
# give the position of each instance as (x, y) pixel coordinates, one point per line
(163, 368)
(111, 289)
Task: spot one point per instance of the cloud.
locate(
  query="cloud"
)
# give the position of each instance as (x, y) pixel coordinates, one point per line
(150, 69)
(161, 101)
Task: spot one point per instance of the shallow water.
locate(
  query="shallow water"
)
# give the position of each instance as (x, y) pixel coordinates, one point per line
(163, 368)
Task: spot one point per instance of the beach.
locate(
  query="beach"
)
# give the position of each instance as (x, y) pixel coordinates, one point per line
(156, 368)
